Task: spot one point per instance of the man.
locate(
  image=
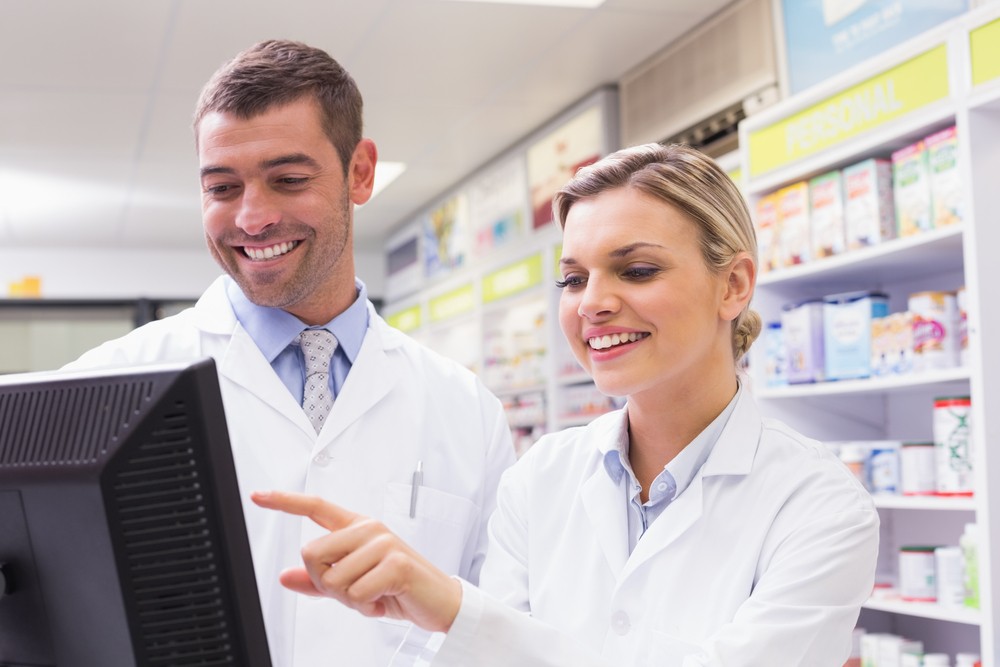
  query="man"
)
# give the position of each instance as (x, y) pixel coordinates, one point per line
(283, 162)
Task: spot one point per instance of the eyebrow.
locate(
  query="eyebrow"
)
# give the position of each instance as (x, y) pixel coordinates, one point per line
(280, 161)
(618, 253)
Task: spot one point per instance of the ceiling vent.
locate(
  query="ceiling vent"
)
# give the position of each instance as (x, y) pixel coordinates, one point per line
(706, 82)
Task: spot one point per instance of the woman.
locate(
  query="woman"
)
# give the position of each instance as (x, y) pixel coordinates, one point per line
(683, 529)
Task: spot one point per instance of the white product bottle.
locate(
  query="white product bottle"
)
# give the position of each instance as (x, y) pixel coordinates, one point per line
(969, 544)
(966, 659)
(937, 660)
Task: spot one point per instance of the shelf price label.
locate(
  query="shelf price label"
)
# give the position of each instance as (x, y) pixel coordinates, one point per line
(405, 320)
(872, 103)
(984, 49)
(513, 278)
(452, 304)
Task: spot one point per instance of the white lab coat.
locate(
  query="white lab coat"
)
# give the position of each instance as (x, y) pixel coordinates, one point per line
(763, 561)
(400, 404)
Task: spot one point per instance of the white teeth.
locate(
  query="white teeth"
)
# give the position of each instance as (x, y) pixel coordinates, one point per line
(604, 342)
(270, 252)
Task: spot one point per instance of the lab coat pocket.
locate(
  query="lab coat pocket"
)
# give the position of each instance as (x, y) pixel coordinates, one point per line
(441, 528)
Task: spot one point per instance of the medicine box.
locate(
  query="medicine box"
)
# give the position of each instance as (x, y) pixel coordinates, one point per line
(869, 210)
(802, 326)
(945, 184)
(911, 189)
(901, 352)
(793, 212)
(826, 214)
(768, 226)
(775, 358)
(847, 332)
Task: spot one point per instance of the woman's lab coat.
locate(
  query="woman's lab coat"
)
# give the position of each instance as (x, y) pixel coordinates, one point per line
(763, 561)
(400, 405)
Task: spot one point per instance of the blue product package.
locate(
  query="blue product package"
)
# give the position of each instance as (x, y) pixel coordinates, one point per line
(802, 326)
(775, 356)
(847, 332)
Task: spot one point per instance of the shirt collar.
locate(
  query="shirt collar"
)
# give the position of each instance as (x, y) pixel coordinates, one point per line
(274, 329)
(685, 466)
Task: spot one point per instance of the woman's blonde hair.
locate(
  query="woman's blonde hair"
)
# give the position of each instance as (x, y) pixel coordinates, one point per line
(692, 183)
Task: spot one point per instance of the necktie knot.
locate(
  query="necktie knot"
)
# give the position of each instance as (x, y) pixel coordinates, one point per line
(318, 346)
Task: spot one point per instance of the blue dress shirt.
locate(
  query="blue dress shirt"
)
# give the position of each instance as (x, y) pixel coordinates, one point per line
(671, 482)
(276, 332)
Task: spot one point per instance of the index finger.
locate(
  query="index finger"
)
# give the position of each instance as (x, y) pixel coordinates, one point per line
(326, 514)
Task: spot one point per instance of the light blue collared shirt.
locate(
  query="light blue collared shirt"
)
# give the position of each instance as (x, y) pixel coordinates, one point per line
(671, 482)
(276, 332)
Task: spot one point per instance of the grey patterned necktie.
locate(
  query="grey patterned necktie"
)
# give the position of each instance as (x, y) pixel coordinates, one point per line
(317, 346)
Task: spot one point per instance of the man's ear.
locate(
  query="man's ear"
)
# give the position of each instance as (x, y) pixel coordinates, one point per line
(361, 172)
(741, 277)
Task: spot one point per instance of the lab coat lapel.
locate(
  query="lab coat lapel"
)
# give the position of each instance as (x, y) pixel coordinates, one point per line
(244, 364)
(733, 454)
(603, 500)
(370, 379)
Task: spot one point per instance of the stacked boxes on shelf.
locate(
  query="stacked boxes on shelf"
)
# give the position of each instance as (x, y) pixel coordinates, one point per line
(862, 205)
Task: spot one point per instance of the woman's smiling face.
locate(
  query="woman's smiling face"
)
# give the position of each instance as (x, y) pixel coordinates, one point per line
(639, 307)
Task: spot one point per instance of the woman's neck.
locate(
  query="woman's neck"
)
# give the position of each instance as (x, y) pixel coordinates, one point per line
(661, 426)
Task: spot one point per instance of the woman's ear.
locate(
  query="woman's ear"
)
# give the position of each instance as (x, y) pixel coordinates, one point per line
(741, 277)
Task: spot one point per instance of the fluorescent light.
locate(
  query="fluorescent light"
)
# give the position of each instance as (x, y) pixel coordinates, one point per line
(587, 4)
(386, 173)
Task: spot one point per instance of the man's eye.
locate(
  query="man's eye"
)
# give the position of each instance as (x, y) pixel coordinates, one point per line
(292, 180)
(218, 189)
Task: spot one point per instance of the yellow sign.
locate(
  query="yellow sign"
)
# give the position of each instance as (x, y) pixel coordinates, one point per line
(406, 320)
(875, 102)
(984, 47)
(455, 302)
(513, 278)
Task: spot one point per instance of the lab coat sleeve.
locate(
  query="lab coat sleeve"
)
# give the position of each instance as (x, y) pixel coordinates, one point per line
(806, 600)
(814, 569)
(496, 629)
(488, 633)
(499, 457)
(800, 613)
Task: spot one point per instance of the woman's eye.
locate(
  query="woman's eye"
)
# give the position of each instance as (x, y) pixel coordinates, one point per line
(640, 272)
(570, 281)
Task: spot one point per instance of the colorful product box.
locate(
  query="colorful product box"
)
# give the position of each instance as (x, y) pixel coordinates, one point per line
(793, 212)
(826, 214)
(901, 342)
(775, 358)
(881, 363)
(912, 189)
(768, 226)
(847, 332)
(945, 182)
(869, 210)
(802, 326)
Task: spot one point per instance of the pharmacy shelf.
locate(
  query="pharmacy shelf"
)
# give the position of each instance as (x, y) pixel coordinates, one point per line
(893, 260)
(946, 503)
(896, 407)
(950, 380)
(965, 615)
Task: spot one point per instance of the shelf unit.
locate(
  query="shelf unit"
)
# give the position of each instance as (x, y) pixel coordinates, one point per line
(899, 407)
(494, 309)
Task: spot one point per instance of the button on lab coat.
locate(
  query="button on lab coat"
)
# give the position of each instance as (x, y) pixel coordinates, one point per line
(764, 560)
(399, 405)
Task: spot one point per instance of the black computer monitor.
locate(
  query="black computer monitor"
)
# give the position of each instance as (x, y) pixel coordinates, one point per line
(122, 540)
